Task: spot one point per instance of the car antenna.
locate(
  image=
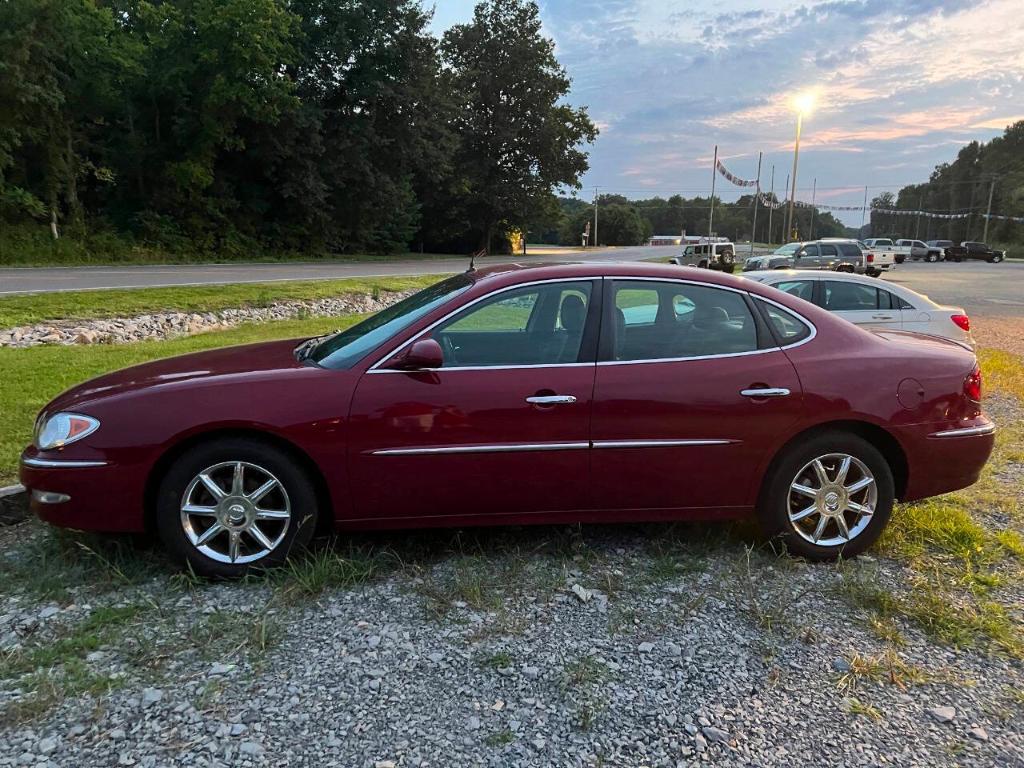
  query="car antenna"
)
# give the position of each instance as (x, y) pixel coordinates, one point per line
(473, 256)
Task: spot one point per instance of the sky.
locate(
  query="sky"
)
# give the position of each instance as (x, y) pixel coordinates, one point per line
(899, 86)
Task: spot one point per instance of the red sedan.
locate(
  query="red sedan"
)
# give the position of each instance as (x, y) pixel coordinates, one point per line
(561, 393)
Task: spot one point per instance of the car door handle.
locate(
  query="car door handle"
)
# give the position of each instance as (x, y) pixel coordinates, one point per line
(551, 399)
(882, 317)
(765, 392)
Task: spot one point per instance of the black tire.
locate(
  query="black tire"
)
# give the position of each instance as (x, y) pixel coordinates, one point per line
(702, 265)
(294, 492)
(932, 258)
(729, 268)
(775, 504)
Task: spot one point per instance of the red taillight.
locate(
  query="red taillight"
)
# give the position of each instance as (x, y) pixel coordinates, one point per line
(972, 384)
(962, 320)
(870, 257)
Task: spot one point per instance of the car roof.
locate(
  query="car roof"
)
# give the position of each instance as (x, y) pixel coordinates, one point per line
(501, 275)
(820, 274)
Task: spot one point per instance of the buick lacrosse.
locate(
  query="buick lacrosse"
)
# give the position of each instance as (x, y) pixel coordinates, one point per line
(512, 395)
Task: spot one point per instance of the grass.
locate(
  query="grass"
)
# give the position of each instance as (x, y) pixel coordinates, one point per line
(51, 671)
(81, 305)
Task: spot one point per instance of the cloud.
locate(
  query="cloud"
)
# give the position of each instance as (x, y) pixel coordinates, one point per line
(902, 85)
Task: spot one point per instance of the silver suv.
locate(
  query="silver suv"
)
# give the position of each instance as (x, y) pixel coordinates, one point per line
(834, 253)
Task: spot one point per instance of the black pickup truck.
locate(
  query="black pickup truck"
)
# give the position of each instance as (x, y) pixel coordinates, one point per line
(974, 250)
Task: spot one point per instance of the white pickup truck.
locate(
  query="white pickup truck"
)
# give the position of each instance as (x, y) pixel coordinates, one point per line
(880, 255)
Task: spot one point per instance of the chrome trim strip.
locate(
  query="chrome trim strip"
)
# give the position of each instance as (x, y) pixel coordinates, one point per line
(496, 448)
(61, 463)
(411, 339)
(479, 367)
(981, 429)
(766, 392)
(658, 443)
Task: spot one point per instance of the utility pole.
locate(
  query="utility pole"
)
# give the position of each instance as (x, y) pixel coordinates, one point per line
(917, 223)
(988, 211)
(757, 198)
(796, 158)
(714, 173)
(782, 239)
(595, 216)
(814, 209)
(864, 210)
(771, 208)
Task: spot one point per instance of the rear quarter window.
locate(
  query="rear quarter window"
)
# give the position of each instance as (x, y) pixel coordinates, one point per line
(786, 326)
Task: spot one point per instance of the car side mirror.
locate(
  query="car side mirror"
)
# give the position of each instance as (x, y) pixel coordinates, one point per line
(423, 354)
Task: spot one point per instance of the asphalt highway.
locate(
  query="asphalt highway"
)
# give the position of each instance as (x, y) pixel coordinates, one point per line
(978, 287)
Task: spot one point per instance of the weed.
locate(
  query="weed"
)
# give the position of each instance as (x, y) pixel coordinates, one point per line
(857, 707)
(500, 738)
(499, 660)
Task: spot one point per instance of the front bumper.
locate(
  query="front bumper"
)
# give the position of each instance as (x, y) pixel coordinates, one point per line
(88, 493)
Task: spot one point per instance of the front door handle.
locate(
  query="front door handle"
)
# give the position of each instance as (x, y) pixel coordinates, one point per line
(882, 317)
(765, 392)
(551, 399)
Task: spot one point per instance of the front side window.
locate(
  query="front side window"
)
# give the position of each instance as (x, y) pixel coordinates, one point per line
(533, 325)
(808, 252)
(345, 348)
(656, 320)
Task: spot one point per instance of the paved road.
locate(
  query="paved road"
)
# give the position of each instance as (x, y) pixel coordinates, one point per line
(994, 289)
(15, 280)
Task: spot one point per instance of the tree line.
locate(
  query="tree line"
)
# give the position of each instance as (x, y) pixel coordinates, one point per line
(980, 169)
(621, 221)
(236, 126)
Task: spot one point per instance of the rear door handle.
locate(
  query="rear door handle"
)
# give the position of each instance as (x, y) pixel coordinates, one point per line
(882, 317)
(765, 392)
(551, 399)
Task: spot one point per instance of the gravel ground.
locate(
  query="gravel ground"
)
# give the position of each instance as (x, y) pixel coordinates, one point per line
(999, 332)
(616, 646)
(168, 325)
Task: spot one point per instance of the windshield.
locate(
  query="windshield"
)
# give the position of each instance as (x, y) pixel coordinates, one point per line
(788, 250)
(344, 348)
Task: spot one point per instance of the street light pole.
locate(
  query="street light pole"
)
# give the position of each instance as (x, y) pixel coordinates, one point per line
(757, 198)
(796, 158)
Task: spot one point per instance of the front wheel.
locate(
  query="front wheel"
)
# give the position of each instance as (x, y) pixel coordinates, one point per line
(827, 497)
(232, 505)
(997, 258)
(932, 258)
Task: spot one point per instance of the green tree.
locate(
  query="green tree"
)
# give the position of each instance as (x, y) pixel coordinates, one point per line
(517, 140)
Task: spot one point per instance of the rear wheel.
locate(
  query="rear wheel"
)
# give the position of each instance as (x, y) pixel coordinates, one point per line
(827, 497)
(233, 505)
(933, 257)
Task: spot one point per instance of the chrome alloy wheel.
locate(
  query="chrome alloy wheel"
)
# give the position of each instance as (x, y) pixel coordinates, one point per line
(832, 499)
(235, 512)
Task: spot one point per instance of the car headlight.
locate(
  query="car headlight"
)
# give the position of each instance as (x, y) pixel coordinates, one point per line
(62, 429)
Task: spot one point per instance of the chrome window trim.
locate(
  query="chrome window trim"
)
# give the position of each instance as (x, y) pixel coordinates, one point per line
(659, 443)
(755, 296)
(493, 448)
(980, 429)
(375, 367)
(60, 463)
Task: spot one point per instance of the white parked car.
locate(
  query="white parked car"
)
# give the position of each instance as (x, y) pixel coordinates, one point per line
(869, 303)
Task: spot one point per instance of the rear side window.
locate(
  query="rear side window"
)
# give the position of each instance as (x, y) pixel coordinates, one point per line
(828, 250)
(658, 320)
(849, 250)
(787, 327)
(841, 296)
(803, 289)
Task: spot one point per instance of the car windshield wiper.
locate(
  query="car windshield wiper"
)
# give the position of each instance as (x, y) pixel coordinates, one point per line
(305, 349)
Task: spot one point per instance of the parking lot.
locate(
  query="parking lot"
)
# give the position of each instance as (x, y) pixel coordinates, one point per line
(982, 289)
